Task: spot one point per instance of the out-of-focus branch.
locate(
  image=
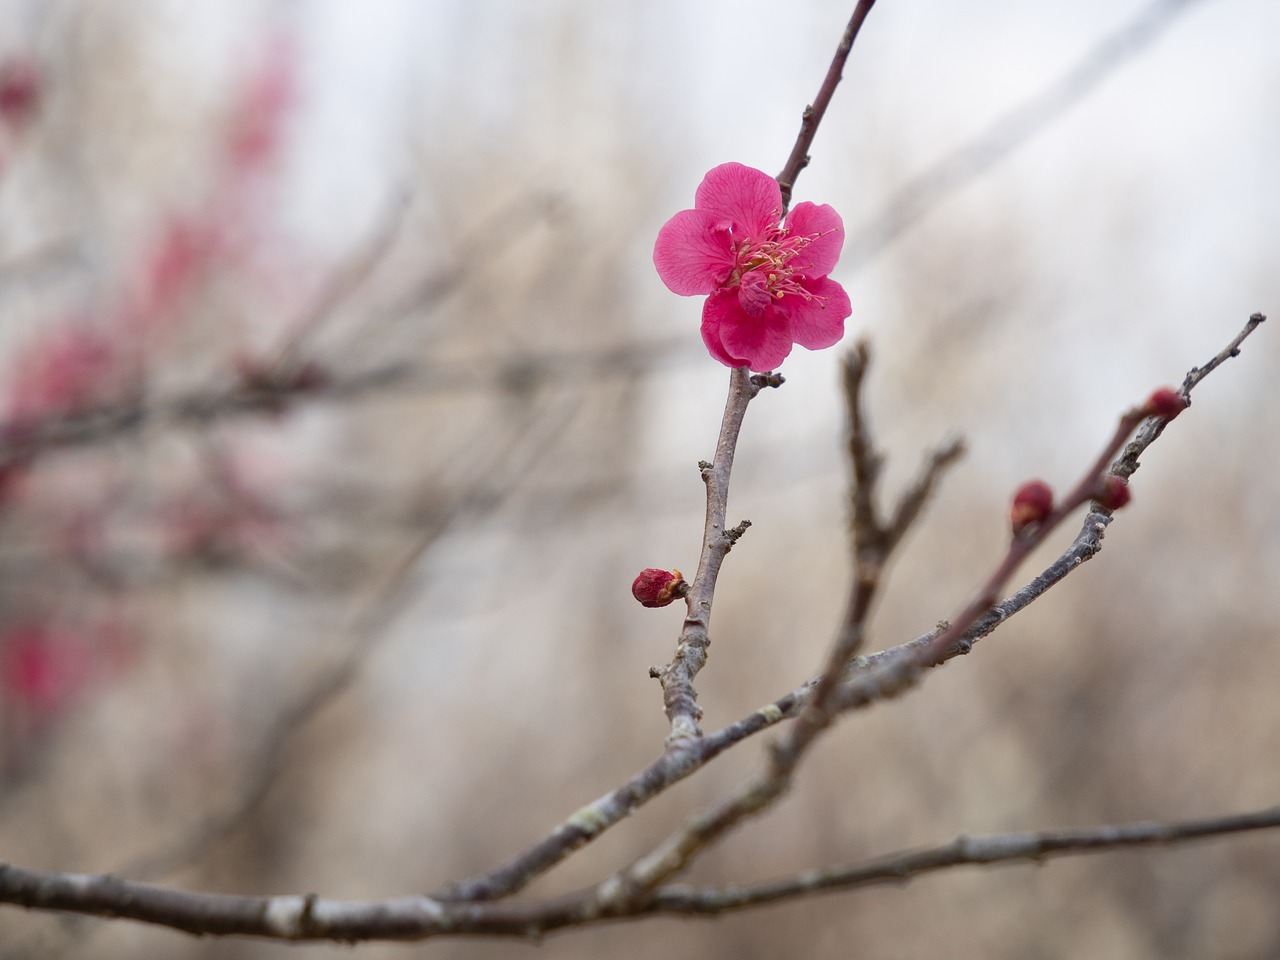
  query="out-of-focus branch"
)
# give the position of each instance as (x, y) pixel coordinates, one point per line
(268, 391)
(873, 539)
(259, 391)
(1021, 124)
(347, 281)
(814, 113)
(505, 228)
(528, 441)
(897, 868)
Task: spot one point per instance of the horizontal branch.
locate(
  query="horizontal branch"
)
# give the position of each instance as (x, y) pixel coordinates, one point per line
(897, 868)
(309, 917)
(270, 391)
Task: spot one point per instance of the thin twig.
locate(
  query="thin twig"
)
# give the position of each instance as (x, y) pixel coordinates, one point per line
(814, 113)
(897, 868)
(680, 699)
(836, 691)
(309, 917)
(347, 281)
(875, 541)
(939, 648)
(411, 918)
(867, 680)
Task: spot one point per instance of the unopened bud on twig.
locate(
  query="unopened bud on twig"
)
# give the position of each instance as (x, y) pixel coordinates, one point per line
(1112, 493)
(1165, 402)
(657, 588)
(1031, 504)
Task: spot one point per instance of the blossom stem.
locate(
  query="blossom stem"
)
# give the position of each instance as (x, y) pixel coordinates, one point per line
(680, 699)
(813, 113)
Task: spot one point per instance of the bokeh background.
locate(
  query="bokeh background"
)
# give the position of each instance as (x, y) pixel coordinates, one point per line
(341, 404)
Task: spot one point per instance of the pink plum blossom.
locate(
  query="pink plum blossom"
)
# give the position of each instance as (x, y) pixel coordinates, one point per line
(765, 279)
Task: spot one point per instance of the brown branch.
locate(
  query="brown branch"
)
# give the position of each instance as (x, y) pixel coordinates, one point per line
(814, 113)
(897, 868)
(873, 538)
(681, 759)
(309, 917)
(1022, 544)
(680, 699)
(835, 691)
(261, 392)
(874, 677)
(867, 680)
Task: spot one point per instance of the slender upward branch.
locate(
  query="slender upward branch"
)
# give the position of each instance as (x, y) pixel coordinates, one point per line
(942, 646)
(680, 699)
(875, 540)
(813, 113)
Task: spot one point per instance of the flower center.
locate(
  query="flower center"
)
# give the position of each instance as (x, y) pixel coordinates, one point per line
(764, 269)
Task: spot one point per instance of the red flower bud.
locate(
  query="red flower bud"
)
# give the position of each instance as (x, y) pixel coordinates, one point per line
(1165, 402)
(1113, 493)
(1031, 504)
(657, 588)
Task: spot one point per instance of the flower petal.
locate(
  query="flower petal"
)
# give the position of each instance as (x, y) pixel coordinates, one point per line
(819, 322)
(760, 343)
(712, 317)
(748, 198)
(692, 254)
(818, 258)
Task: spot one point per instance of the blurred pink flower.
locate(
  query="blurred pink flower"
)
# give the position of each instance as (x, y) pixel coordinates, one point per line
(766, 281)
(65, 371)
(40, 668)
(19, 92)
(46, 666)
(184, 248)
(263, 105)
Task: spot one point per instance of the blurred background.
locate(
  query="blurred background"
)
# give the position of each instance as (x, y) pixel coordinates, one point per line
(341, 403)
